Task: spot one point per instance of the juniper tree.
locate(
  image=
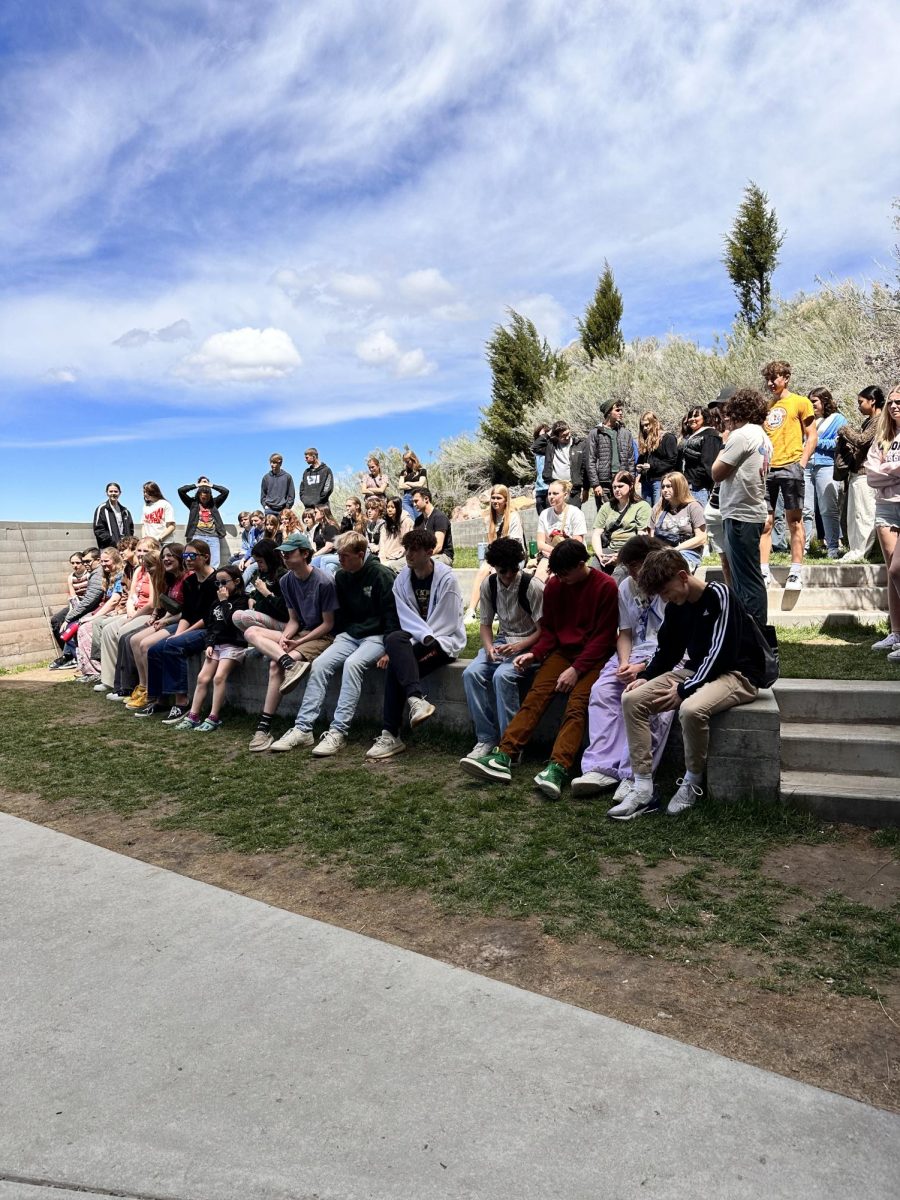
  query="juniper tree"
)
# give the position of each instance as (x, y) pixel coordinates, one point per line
(751, 256)
(520, 362)
(601, 333)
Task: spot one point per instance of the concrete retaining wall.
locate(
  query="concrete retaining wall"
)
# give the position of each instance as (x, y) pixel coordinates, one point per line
(745, 742)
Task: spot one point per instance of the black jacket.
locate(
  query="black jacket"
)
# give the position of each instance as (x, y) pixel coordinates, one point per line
(698, 453)
(104, 525)
(198, 597)
(663, 460)
(716, 634)
(220, 495)
(545, 446)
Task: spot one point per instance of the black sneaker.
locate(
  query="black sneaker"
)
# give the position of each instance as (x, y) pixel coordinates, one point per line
(149, 710)
(63, 664)
(176, 714)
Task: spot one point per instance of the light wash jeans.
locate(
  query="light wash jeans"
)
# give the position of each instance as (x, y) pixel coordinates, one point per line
(327, 562)
(214, 547)
(819, 489)
(493, 694)
(355, 655)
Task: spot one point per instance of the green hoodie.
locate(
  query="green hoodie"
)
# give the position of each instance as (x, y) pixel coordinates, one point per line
(366, 601)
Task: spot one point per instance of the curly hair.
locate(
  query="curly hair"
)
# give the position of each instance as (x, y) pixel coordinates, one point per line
(775, 368)
(747, 404)
(659, 569)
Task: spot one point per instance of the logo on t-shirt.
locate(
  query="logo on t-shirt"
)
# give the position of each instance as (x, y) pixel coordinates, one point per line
(155, 516)
(776, 418)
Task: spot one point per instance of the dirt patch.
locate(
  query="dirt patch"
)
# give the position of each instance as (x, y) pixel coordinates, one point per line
(860, 873)
(847, 1045)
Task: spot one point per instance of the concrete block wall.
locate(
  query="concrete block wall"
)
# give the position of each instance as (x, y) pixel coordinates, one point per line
(745, 742)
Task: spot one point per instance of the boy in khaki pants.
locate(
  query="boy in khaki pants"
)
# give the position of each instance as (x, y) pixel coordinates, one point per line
(706, 626)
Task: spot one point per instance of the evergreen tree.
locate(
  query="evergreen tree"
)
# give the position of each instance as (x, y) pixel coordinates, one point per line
(601, 333)
(751, 256)
(520, 362)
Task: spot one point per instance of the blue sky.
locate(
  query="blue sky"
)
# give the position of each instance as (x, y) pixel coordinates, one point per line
(229, 228)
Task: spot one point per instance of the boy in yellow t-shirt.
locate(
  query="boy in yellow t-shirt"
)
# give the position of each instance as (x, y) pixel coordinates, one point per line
(792, 431)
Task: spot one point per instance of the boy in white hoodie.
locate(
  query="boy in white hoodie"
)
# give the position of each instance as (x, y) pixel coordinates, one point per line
(431, 634)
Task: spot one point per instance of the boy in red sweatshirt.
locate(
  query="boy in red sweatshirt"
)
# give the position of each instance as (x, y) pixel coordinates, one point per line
(578, 634)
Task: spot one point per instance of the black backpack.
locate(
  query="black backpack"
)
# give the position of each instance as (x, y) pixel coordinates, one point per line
(524, 602)
(766, 639)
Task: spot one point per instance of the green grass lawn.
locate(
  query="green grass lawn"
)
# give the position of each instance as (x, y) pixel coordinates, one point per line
(417, 823)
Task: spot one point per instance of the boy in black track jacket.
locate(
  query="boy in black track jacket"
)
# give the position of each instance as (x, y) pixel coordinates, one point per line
(708, 627)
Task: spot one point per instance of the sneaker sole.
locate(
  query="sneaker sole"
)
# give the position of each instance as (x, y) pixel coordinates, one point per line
(317, 753)
(551, 790)
(645, 810)
(289, 685)
(591, 789)
(415, 722)
(471, 766)
(388, 754)
(265, 746)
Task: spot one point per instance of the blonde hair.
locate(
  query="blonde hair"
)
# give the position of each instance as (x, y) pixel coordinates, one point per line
(681, 493)
(887, 429)
(563, 483)
(355, 542)
(646, 445)
(489, 517)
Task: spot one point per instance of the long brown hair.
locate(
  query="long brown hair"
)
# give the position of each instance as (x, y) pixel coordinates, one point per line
(647, 444)
(161, 584)
(681, 493)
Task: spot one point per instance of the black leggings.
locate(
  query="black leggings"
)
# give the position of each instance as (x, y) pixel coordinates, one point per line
(409, 662)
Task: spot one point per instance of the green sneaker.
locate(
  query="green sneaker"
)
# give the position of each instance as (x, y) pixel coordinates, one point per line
(550, 781)
(492, 766)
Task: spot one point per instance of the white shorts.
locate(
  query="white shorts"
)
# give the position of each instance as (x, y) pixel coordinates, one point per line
(887, 514)
(236, 652)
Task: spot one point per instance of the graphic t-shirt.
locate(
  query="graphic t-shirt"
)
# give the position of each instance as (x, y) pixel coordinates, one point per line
(205, 522)
(676, 527)
(310, 598)
(422, 592)
(642, 616)
(742, 496)
(784, 425)
(157, 515)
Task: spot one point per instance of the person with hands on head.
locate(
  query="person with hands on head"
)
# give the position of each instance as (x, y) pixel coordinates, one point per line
(709, 658)
(311, 599)
(606, 762)
(203, 501)
(578, 634)
(492, 683)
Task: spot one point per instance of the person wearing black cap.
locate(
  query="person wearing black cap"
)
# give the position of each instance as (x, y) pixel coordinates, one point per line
(610, 450)
(741, 467)
(564, 455)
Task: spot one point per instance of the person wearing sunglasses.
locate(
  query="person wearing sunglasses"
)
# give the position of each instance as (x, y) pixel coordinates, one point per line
(167, 660)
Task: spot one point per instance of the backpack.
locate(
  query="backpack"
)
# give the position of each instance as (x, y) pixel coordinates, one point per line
(766, 640)
(524, 602)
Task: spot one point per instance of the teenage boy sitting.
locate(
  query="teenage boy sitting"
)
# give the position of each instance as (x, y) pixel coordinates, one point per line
(578, 634)
(366, 614)
(492, 683)
(311, 599)
(708, 624)
(435, 522)
(431, 634)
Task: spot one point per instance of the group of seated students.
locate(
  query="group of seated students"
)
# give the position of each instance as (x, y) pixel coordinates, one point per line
(625, 657)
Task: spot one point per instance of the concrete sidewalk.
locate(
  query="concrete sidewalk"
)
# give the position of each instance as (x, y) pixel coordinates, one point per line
(164, 1038)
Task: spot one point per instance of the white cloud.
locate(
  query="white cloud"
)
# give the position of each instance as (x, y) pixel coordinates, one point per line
(379, 349)
(357, 288)
(426, 287)
(178, 331)
(132, 339)
(61, 375)
(548, 315)
(241, 356)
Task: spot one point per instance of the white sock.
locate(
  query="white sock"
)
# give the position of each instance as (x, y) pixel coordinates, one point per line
(764, 567)
(643, 783)
(796, 566)
(693, 777)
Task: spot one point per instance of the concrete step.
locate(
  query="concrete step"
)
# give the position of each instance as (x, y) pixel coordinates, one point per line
(831, 575)
(851, 599)
(858, 799)
(840, 748)
(827, 618)
(855, 702)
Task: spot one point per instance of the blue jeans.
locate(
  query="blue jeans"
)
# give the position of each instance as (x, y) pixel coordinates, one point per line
(408, 507)
(493, 694)
(820, 490)
(327, 562)
(650, 490)
(701, 495)
(213, 542)
(355, 655)
(167, 662)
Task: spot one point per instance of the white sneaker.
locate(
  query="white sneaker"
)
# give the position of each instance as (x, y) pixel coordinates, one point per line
(891, 642)
(292, 739)
(769, 580)
(420, 710)
(793, 583)
(635, 798)
(101, 687)
(331, 741)
(684, 798)
(894, 656)
(591, 782)
(481, 750)
(471, 615)
(385, 746)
